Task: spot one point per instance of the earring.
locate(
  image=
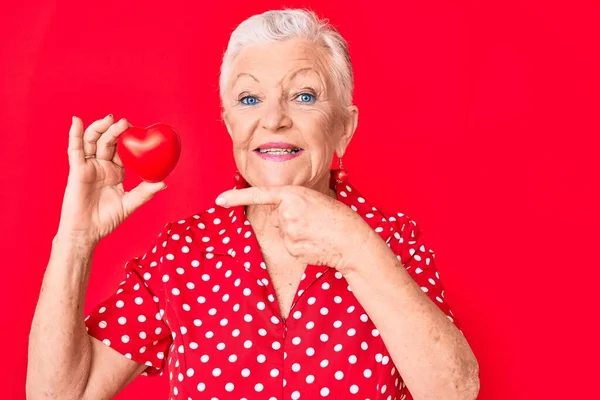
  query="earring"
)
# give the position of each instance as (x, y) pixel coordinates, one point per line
(340, 175)
(239, 180)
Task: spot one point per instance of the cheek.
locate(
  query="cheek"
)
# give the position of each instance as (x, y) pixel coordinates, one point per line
(241, 133)
(319, 130)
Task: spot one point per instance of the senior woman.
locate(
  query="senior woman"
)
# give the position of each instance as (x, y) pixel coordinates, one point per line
(293, 286)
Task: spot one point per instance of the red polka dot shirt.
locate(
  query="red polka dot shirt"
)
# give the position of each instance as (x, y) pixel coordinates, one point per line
(200, 304)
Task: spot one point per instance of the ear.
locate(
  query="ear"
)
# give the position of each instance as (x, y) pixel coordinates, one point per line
(350, 124)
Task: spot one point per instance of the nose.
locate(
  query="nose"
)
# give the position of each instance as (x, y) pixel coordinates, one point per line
(276, 117)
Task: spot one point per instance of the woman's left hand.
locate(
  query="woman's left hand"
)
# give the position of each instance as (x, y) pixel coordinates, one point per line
(316, 229)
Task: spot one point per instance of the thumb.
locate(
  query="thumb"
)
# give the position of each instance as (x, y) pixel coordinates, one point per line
(140, 195)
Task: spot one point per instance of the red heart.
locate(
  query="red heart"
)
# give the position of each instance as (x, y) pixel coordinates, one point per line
(151, 152)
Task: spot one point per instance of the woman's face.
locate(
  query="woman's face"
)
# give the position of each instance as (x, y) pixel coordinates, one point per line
(283, 115)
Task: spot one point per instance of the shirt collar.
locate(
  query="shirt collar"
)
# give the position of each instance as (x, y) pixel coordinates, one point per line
(218, 227)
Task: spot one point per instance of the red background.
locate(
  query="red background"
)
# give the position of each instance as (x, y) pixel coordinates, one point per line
(479, 120)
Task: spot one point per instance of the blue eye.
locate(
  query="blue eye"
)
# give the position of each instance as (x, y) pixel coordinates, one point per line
(249, 100)
(306, 98)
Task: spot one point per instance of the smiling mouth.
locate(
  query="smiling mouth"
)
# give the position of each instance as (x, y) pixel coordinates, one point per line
(278, 151)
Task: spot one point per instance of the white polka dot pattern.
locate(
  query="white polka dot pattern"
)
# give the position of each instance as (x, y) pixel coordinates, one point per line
(200, 305)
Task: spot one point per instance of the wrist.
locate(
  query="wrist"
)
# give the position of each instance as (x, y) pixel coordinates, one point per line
(362, 251)
(76, 240)
(70, 263)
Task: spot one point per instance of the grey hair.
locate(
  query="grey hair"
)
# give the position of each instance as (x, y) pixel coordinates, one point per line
(280, 25)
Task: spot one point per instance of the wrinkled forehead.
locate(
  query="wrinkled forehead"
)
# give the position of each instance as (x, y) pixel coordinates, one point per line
(276, 63)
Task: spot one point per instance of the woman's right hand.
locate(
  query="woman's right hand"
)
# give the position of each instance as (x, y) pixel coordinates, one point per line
(95, 202)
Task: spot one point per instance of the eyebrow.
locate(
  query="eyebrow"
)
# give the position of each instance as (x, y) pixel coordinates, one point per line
(303, 70)
(242, 74)
(292, 76)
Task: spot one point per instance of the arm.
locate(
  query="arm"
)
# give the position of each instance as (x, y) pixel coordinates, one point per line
(64, 362)
(431, 354)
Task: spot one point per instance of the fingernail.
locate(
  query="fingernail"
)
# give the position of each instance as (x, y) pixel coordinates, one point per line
(220, 201)
(109, 116)
(73, 119)
(164, 187)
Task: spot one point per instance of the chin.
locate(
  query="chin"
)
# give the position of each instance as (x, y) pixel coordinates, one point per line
(273, 179)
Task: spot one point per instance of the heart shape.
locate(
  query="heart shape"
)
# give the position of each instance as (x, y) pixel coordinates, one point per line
(151, 152)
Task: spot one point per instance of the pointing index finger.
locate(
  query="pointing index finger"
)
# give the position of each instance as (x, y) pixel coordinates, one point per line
(249, 196)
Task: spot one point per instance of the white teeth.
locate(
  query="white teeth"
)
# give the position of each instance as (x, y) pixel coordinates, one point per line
(278, 151)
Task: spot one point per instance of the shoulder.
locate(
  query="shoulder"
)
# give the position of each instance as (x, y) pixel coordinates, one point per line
(200, 229)
(208, 219)
(402, 223)
(397, 229)
(406, 238)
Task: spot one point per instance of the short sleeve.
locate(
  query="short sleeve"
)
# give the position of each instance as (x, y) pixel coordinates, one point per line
(131, 320)
(408, 243)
